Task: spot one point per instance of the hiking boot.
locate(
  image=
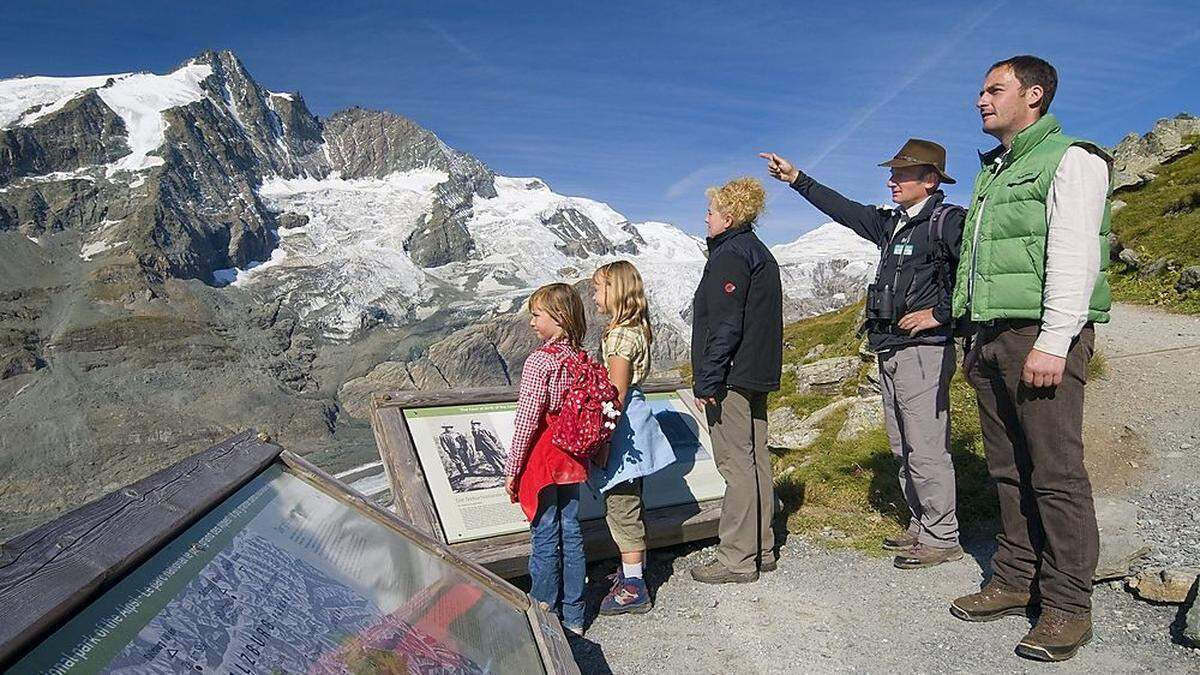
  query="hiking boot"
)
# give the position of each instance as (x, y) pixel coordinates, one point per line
(902, 542)
(923, 555)
(993, 602)
(1056, 636)
(769, 563)
(629, 596)
(716, 573)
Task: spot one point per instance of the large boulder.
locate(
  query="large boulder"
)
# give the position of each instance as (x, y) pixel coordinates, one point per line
(826, 376)
(863, 414)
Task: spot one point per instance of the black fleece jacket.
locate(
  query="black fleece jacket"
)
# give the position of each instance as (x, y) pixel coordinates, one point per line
(923, 276)
(737, 317)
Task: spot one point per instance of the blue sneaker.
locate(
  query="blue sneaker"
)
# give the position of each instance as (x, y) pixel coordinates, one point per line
(628, 596)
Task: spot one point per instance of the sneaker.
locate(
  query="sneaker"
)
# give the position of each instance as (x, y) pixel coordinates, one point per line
(629, 596)
(900, 543)
(1056, 636)
(993, 602)
(716, 573)
(922, 555)
(577, 631)
(768, 564)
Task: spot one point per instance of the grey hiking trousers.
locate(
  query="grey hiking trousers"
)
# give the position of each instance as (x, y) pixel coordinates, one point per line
(916, 404)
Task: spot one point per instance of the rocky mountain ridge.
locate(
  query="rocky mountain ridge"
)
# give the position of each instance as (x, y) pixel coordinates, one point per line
(190, 254)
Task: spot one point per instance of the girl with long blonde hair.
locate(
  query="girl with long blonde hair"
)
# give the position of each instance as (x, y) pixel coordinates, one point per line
(638, 447)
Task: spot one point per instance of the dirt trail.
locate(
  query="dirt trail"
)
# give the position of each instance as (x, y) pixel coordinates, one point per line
(841, 611)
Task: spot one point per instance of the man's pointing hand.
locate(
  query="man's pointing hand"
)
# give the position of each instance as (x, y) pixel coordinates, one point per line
(780, 168)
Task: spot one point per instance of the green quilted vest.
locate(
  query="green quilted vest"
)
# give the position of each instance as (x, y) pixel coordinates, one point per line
(1002, 271)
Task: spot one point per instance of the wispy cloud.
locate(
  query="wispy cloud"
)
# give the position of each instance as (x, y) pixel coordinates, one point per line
(930, 62)
(463, 49)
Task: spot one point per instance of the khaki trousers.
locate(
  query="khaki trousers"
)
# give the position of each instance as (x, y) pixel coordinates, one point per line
(738, 426)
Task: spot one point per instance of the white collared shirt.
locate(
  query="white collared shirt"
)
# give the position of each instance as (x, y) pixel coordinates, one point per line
(1074, 213)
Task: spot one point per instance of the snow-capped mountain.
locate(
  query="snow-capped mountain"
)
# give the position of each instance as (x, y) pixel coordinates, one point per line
(208, 253)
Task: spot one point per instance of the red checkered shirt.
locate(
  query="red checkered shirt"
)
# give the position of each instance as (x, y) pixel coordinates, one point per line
(544, 381)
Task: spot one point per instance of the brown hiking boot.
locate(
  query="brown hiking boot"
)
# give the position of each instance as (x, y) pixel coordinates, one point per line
(900, 543)
(993, 602)
(768, 563)
(923, 555)
(716, 573)
(1056, 636)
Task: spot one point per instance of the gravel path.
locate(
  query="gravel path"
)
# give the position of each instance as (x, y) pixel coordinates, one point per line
(841, 611)
(1150, 397)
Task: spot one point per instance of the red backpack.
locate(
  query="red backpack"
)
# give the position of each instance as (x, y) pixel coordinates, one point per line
(589, 409)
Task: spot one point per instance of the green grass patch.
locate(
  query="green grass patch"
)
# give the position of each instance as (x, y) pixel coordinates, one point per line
(1159, 290)
(835, 332)
(1097, 366)
(847, 493)
(1161, 219)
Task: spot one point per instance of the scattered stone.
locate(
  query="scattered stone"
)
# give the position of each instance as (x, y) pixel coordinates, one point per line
(1121, 544)
(1130, 257)
(1189, 279)
(1152, 268)
(1169, 585)
(1191, 620)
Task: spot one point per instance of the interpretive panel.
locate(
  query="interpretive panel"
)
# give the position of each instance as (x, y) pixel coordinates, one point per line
(283, 577)
(462, 450)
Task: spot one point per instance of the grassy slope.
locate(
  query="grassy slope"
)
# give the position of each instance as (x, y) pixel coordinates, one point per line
(847, 493)
(1161, 220)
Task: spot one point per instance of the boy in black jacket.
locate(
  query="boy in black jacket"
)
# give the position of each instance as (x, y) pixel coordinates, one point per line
(909, 326)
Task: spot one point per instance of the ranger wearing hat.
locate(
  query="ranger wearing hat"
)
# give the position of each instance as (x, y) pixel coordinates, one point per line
(909, 327)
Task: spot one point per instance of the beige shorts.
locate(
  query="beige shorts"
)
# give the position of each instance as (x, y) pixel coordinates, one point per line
(625, 510)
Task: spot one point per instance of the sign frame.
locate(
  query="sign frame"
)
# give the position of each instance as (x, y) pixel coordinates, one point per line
(507, 554)
(51, 572)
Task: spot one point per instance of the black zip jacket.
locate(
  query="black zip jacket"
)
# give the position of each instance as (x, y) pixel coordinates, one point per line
(926, 273)
(737, 317)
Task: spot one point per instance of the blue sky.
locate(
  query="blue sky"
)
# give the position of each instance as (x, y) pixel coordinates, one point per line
(642, 105)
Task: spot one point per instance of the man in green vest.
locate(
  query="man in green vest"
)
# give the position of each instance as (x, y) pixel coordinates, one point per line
(1034, 242)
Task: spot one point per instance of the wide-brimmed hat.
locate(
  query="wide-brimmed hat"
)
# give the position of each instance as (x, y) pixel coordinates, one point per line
(917, 152)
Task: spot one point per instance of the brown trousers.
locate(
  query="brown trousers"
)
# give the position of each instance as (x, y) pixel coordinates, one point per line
(738, 426)
(1033, 439)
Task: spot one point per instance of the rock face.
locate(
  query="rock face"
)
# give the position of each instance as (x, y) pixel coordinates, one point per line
(189, 254)
(1136, 156)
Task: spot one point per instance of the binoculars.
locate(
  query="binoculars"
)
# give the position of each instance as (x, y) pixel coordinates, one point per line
(881, 302)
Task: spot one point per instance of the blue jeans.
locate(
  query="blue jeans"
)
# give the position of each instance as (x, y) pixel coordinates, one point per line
(557, 566)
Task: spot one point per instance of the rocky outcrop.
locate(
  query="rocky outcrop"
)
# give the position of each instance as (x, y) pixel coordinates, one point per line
(578, 235)
(284, 136)
(826, 376)
(83, 133)
(1137, 156)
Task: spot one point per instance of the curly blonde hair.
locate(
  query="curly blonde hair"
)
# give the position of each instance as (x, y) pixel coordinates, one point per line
(742, 199)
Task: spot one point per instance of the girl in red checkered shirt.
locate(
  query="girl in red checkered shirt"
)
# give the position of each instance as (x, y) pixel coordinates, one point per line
(539, 475)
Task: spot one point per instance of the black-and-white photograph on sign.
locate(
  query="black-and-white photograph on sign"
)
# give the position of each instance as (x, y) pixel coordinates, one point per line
(471, 452)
